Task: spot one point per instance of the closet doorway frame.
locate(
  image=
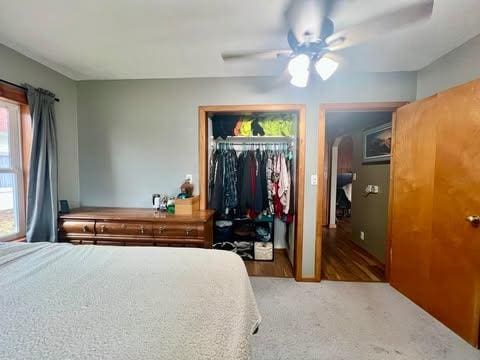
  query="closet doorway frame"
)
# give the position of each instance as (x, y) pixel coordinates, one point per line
(203, 113)
(323, 155)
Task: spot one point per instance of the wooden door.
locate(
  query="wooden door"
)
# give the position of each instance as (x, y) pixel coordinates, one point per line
(435, 250)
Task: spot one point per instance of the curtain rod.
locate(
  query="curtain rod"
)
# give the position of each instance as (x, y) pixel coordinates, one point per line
(20, 87)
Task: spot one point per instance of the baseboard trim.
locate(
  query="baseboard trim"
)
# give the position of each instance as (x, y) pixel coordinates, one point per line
(307, 279)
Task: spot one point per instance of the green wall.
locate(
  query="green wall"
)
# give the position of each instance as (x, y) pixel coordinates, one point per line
(370, 214)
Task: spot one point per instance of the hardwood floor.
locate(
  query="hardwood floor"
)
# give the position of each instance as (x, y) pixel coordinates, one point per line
(279, 267)
(343, 260)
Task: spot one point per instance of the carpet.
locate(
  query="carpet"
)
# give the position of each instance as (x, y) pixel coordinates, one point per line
(342, 320)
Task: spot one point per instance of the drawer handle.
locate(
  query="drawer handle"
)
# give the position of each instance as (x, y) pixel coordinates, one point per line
(142, 229)
(102, 228)
(84, 228)
(188, 231)
(162, 228)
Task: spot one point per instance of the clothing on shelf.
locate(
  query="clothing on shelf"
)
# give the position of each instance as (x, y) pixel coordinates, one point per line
(263, 233)
(223, 231)
(224, 125)
(227, 246)
(242, 237)
(243, 127)
(277, 125)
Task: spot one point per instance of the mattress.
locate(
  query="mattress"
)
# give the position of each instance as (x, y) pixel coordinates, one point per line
(59, 301)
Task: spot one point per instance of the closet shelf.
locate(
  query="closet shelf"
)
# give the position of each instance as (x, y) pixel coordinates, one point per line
(255, 139)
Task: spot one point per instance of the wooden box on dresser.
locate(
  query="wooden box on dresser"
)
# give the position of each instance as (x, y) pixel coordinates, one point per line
(130, 226)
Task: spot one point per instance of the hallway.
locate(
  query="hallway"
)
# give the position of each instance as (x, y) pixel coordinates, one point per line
(343, 260)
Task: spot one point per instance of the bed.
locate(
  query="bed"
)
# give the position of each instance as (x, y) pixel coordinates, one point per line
(59, 301)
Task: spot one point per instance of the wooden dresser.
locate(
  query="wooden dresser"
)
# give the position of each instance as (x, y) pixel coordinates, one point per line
(130, 226)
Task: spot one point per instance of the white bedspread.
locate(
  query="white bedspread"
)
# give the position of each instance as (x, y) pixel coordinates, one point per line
(59, 301)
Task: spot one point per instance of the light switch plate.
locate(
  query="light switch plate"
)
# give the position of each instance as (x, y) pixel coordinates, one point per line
(314, 179)
(362, 235)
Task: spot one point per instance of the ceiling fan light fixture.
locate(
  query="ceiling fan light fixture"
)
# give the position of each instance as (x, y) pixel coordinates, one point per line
(300, 79)
(298, 66)
(326, 67)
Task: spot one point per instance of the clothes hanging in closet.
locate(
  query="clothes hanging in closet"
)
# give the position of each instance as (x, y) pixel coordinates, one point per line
(253, 183)
(223, 180)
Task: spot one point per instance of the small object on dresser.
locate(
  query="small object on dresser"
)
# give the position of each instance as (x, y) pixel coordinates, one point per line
(63, 207)
(156, 200)
(187, 206)
(186, 190)
(171, 206)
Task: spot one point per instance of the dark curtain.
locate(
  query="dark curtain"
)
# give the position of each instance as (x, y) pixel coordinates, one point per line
(42, 179)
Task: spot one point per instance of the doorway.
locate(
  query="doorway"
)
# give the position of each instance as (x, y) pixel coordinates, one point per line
(353, 193)
(279, 263)
(354, 242)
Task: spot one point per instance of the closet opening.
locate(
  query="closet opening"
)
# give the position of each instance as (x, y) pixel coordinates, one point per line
(252, 174)
(353, 218)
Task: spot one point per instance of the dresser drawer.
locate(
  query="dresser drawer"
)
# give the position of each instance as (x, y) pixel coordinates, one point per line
(77, 227)
(118, 228)
(128, 226)
(172, 230)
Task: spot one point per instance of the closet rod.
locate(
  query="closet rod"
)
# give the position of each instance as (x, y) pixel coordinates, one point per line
(259, 137)
(253, 143)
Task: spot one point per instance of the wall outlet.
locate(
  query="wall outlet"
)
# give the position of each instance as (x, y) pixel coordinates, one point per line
(372, 189)
(354, 177)
(314, 179)
(362, 235)
(189, 177)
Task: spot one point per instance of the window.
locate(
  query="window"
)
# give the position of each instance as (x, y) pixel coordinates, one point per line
(12, 205)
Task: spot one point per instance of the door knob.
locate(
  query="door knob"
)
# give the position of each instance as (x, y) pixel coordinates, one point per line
(474, 220)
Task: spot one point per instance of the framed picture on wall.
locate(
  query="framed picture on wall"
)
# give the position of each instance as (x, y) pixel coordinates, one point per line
(377, 144)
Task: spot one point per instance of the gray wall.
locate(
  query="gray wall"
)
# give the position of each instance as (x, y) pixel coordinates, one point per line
(141, 136)
(17, 68)
(370, 214)
(457, 67)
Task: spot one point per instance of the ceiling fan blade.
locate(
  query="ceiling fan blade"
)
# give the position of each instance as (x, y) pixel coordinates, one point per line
(329, 7)
(382, 24)
(306, 18)
(259, 54)
(327, 26)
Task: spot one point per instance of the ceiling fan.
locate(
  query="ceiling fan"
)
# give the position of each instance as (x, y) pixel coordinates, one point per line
(313, 40)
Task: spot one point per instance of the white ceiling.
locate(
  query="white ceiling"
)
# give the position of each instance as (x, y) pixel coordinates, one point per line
(126, 39)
